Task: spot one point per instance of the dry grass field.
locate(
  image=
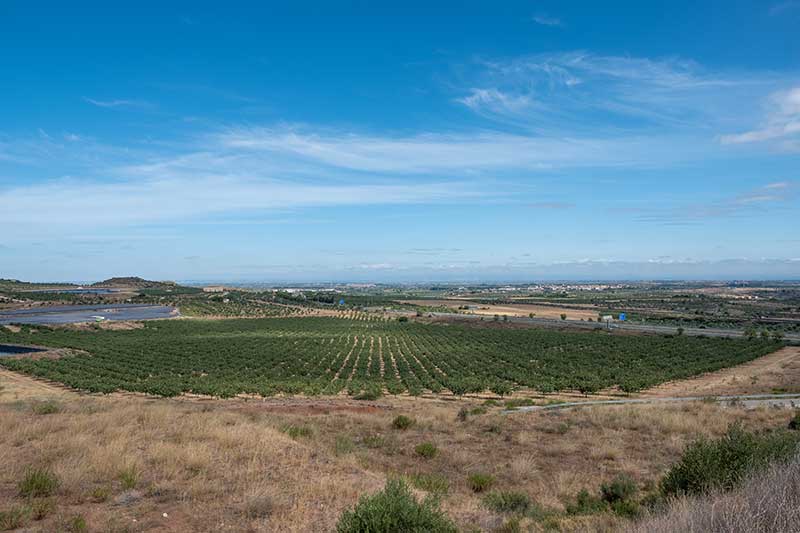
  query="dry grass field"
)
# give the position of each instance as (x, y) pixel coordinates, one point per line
(125, 462)
(523, 310)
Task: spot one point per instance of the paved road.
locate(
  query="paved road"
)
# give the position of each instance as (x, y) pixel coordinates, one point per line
(747, 400)
(628, 326)
(68, 314)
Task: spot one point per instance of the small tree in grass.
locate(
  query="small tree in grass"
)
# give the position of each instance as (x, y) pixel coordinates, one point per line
(395, 509)
(563, 316)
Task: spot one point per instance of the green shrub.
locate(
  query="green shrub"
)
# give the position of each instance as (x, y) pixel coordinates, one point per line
(402, 319)
(722, 463)
(402, 422)
(585, 503)
(794, 423)
(297, 432)
(13, 518)
(395, 509)
(622, 488)
(508, 502)
(428, 450)
(501, 388)
(433, 483)
(626, 508)
(480, 482)
(47, 407)
(38, 483)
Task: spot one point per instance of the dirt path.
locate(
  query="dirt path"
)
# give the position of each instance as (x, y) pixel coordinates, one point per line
(773, 373)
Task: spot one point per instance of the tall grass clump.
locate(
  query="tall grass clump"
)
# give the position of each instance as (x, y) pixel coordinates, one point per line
(428, 450)
(433, 483)
(508, 502)
(480, 482)
(38, 483)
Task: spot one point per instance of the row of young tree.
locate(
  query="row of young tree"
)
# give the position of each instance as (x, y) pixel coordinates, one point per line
(326, 355)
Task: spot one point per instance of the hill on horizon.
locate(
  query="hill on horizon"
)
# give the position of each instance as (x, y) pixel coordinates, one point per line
(134, 282)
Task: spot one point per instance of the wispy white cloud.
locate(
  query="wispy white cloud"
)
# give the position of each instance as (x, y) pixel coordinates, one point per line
(776, 195)
(118, 103)
(580, 91)
(782, 7)
(496, 101)
(545, 20)
(456, 153)
(147, 201)
(781, 124)
(551, 205)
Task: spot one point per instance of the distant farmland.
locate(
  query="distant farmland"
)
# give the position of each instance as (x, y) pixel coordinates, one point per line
(326, 355)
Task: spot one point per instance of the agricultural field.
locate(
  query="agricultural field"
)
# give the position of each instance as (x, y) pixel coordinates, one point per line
(366, 357)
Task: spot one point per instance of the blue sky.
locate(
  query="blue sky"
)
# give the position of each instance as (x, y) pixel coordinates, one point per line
(351, 141)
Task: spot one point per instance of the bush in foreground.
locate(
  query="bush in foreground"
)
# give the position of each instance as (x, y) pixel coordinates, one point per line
(402, 422)
(395, 509)
(586, 503)
(620, 489)
(722, 463)
(767, 501)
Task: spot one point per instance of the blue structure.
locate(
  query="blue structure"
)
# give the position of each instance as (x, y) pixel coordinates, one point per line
(341, 301)
(622, 317)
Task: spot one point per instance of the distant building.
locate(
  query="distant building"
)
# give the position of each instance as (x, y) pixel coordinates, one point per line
(215, 288)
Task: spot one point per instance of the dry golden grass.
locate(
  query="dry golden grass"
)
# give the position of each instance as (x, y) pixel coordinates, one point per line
(519, 310)
(124, 461)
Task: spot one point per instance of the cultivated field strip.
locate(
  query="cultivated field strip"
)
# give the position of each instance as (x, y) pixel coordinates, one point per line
(328, 355)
